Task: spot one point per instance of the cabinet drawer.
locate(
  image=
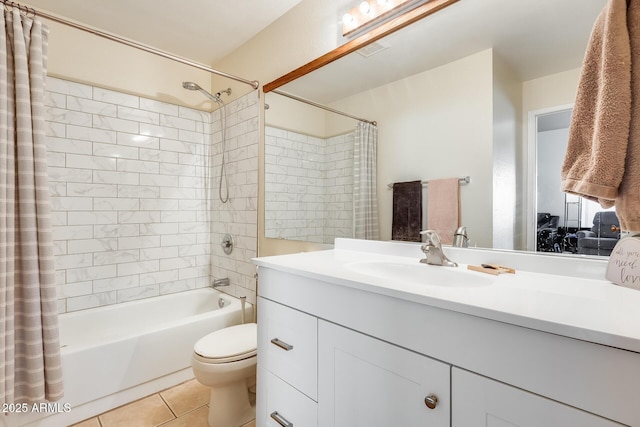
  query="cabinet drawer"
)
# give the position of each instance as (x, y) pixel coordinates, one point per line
(278, 400)
(287, 345)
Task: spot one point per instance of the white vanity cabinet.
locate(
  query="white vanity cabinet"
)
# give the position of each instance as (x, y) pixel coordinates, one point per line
(363, 381)
(368, 355)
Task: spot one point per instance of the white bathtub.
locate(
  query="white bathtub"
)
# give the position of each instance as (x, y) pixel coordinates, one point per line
(115, 354)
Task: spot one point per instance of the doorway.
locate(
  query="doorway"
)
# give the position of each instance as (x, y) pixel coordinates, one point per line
(554, 217)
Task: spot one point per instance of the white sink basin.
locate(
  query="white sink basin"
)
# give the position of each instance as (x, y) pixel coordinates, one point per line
(420, 273)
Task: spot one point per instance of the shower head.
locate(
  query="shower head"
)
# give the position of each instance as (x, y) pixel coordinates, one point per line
(191, 86)
(214, 98)
(195, 86)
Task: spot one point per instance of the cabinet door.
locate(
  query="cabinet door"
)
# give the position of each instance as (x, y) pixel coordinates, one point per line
(482, 402)
(365, 382)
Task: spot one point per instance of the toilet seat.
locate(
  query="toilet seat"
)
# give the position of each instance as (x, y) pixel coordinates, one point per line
(228, 345)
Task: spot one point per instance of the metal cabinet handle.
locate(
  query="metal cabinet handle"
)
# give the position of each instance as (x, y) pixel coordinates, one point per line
(431, 401)
(280, 419)
(283, 345)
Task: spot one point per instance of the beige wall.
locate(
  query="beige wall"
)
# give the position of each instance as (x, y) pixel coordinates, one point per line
(288, 114)
(507, 137)
(550, 91)
(306, 32)
(436, 124)
(85, 58)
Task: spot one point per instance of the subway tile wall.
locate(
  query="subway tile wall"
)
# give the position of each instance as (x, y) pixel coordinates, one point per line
(239, 215)
(128, 185)
(338, 186)
(308, 186)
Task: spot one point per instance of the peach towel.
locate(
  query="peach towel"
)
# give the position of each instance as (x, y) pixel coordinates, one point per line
(443, 207)
(602, 162)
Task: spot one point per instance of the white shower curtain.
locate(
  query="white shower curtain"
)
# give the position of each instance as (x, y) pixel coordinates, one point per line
(30, 368)
(365, 204)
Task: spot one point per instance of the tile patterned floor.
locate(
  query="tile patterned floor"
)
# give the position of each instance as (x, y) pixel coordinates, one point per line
(185, 405)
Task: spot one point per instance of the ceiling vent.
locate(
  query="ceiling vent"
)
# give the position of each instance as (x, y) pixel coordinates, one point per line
(372, 49)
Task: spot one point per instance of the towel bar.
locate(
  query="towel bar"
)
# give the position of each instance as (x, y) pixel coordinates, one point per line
(463, 180)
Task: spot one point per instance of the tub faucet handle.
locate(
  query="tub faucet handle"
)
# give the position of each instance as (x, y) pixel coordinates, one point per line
(227, 244)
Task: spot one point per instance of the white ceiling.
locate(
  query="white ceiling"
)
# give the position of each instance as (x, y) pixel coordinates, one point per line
(201, 30)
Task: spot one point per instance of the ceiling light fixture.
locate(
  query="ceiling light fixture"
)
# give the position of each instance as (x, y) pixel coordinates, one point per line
(370, 12)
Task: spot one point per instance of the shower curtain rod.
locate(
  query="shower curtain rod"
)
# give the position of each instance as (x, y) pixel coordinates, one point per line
(130, 43)
(315, 104)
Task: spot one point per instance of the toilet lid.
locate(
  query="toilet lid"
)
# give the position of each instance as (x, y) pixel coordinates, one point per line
(239, 340)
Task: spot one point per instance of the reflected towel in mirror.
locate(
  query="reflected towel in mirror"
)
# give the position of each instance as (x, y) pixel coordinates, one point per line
(407, 211)
(443, 207)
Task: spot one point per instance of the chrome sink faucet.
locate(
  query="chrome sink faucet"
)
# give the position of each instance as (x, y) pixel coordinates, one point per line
(433, 250)
(461, 238)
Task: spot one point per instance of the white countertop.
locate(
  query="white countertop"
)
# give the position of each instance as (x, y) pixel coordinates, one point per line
(593, 310)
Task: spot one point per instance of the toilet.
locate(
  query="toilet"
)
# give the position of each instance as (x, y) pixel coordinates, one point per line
(225, 360)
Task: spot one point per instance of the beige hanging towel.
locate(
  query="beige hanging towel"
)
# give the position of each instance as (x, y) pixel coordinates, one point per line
(443, 207)
(594, 163)
(628, 200)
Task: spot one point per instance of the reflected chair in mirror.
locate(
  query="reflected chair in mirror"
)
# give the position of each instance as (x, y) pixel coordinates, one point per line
(602, 237)
(547, 232)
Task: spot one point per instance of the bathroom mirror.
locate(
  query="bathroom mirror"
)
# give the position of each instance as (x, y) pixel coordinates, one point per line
(451, 94)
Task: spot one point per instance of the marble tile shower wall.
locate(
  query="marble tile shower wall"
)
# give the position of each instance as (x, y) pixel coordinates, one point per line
(239, 216)
(293, 185)
(338, 184)
(127, 178)
(308, 186)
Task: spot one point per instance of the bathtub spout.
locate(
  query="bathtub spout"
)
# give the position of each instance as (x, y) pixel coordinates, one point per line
(220, 282)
